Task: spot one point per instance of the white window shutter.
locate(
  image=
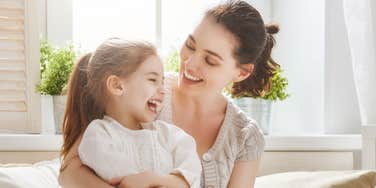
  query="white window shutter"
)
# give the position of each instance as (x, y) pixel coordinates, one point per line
(19, 66)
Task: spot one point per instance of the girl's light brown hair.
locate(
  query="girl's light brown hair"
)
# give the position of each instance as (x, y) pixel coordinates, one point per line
(87, 93)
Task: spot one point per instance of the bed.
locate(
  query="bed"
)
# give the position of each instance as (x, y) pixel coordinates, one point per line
(44, 175)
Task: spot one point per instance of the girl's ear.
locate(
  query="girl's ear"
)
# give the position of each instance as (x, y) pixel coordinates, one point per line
(114, 85)
(244, 72)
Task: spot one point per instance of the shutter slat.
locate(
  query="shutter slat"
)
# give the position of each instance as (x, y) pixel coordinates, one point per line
(12, 96)
(12, 85)
(13, 107)
(13, 19)
(10, 55)
(13, 14)
(11, 66)
(11, 44)
(21, 49)
(12, 75)
(12, 28)
(12, 4)
(7, 60)
(10, 119)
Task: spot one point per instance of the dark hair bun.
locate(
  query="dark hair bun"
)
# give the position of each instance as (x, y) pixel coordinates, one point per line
(272, 28)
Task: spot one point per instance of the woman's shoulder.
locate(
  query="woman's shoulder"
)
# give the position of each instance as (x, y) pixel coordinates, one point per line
(245, 130)
(238, 118)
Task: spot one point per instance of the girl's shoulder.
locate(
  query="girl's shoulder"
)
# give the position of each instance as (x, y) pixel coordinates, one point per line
(171, 135)
(166, 128)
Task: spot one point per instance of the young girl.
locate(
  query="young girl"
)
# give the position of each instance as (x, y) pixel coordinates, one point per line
(114, 96)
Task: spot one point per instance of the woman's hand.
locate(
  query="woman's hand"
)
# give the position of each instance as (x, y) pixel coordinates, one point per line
(145, 179)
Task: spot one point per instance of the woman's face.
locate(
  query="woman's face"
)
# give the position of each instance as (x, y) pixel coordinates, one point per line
(207, 62)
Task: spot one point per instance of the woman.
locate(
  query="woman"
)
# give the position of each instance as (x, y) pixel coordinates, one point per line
(231, 45)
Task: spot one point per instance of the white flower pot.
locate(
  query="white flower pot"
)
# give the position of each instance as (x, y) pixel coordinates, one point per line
(257, 109)
(59, 110)
(48, 124)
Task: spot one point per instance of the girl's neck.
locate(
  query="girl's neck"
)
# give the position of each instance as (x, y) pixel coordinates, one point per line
(123, 118)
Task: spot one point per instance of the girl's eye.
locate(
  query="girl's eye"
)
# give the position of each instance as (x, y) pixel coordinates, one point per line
(152, 80)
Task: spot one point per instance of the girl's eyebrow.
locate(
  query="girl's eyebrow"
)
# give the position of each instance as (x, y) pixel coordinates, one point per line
(153, 73)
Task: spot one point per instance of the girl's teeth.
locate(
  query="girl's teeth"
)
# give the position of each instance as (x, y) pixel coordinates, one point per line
(157, 103)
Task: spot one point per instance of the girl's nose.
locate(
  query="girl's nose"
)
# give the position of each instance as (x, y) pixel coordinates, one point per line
(162, 90)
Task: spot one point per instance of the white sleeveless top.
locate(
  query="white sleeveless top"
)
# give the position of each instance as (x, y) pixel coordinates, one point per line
(239, 139)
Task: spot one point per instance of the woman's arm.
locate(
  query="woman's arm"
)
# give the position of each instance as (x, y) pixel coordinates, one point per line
(244, 174)
(75, 174)
(149, 179)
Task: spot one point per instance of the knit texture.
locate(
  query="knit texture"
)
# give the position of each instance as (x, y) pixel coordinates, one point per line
(239, 139)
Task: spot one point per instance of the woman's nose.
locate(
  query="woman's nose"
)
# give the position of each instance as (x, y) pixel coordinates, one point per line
(192, 62)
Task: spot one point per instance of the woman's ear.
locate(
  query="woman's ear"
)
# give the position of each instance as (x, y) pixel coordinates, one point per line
(244, 71)
(115, 85)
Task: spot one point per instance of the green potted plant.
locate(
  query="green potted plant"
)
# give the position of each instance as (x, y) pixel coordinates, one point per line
(259, 108)
(56, 66)
(171, 64)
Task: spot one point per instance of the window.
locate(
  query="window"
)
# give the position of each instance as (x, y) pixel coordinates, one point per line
(104, 19)
(310, 48)
(19, 66)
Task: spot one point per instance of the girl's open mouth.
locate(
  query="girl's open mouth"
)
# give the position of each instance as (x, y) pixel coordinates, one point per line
(154, 105)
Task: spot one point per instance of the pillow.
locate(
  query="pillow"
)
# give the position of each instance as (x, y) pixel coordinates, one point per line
(39, 175)
(319, 179)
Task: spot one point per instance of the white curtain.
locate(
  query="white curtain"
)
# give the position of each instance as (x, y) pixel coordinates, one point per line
(360, 19)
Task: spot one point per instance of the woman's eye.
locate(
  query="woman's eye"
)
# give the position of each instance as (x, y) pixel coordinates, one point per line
(188, 46)
(152, 80)
(209, 62)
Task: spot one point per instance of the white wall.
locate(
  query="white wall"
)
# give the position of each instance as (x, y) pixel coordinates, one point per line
(341, 107)
(264, 7)
(300, 51)
(59, 19)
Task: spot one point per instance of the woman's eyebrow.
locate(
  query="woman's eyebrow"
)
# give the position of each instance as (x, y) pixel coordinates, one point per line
(208, 51)
(214, 54)
(191, 37)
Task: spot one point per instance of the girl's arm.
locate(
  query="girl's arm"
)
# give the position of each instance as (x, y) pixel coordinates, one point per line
(75, 174)
(244, 174)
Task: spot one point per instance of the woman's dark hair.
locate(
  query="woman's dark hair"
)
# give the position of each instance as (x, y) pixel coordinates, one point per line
(255, 43)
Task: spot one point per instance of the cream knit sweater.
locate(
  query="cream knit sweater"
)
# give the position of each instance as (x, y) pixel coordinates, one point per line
(239, 139)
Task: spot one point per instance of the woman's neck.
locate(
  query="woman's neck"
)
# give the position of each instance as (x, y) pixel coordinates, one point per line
(201, 104)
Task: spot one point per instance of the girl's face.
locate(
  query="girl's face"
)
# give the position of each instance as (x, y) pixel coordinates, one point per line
(207, 62)
(143, 90)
